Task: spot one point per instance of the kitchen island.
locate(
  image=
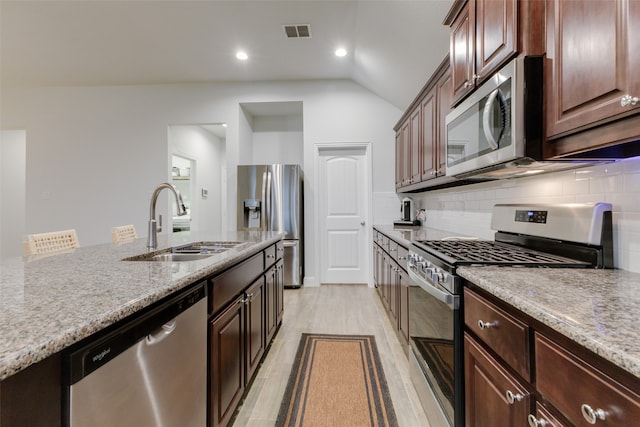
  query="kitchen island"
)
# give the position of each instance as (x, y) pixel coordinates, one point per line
(49, 303)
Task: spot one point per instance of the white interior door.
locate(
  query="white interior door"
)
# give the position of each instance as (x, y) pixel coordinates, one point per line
(343, 210)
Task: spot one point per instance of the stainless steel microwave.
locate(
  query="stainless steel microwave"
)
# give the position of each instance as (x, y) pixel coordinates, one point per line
(500, 124)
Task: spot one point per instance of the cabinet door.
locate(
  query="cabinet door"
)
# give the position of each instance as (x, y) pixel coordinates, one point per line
(579, 390)
(271, 302)
(255, 327)
(279, 291)
(461, 51)
(543, 418)
(406, 153)
(226, 363)
(403, 306)
(593, 58)
(493, 397)
(429, 136)
(399, 160)
(496, 35)
(443, 89)
(415, 142)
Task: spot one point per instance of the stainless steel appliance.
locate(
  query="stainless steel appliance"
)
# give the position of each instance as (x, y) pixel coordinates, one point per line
(497, 131)
(270, 198)
(151, 371)
(535, 235)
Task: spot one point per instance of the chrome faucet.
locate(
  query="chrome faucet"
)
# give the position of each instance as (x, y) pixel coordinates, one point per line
(152, 241)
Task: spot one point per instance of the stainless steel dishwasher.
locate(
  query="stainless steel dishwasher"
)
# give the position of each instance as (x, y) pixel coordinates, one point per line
(149, 372)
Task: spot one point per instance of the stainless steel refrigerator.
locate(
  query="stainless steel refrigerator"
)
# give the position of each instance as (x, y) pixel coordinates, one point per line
(270, 199)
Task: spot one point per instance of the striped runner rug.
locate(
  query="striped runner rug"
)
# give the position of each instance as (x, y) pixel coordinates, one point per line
(336, 380)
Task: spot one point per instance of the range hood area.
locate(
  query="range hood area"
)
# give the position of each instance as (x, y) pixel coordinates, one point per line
(528, 166)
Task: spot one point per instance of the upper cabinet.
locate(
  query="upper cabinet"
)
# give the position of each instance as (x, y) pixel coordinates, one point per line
(485, 34)
(592, 74)
(421, 136)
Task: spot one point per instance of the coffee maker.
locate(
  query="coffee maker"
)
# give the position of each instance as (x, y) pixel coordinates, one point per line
(407, 213)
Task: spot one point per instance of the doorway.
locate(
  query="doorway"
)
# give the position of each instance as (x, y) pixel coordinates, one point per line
(182, 170)
(200, 153)
(344, 203)
(13, 169)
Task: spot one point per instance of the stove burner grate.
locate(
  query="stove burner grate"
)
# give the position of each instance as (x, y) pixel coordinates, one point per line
(492, 253)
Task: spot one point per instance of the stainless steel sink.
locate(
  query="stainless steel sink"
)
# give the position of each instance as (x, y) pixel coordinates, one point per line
(174, 257)
(207, 247)
(188, 252)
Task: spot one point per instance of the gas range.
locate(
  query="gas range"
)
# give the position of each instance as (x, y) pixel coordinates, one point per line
(533, 235)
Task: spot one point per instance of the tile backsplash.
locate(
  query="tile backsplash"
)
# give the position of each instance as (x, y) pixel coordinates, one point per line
(467, 210)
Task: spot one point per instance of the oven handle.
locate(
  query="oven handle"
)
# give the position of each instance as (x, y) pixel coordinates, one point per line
(452, 301)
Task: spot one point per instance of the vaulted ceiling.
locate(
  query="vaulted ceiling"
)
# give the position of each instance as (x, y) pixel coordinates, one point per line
(393, 46)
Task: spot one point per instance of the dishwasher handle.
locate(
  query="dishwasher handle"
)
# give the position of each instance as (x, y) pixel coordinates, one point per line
(161, 333)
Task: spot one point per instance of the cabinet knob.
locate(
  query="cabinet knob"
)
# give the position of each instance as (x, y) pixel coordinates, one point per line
(513, 398)
(534, 422)
(467, 85)
(629, 100)
(486, 325)
(592, 415)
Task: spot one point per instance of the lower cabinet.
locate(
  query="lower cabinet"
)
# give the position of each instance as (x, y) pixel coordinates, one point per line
(493, 397)
(564, 385)
(226, 362)
(392, 282)
(240, 332)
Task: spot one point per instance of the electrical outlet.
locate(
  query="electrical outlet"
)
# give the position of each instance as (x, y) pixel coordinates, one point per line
(205, 193)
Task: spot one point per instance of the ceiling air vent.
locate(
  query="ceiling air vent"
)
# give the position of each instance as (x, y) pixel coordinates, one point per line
(295, 31)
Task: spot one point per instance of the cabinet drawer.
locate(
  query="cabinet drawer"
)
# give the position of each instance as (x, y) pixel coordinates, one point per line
(503, 333)
(270, 256)
(225, 287)
(542, 415)
(570, 384)
(402, 256)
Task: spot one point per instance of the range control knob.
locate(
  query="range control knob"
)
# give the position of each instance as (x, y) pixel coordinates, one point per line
(437, 277)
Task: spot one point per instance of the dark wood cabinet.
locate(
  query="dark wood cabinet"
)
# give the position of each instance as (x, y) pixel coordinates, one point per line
(256, 331)
(591, 74)
(483, 37)
(245, 318)
(226, 362)
(486, 34)
(279, 292)
(461, 51)
(392, 282)
(33, 397)
(579, 390)
(493, 397)
(558, 381)
(423, 162)
(429, 144)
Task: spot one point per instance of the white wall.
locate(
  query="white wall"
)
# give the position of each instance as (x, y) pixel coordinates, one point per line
(278, 139)
(98, 152)
(12, 190)
(467, 210)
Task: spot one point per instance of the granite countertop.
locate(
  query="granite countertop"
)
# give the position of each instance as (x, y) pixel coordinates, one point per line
(598, 309)
(405, 235)
(49, 302)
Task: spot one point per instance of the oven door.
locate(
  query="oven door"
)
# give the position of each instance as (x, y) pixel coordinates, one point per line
(435, 356)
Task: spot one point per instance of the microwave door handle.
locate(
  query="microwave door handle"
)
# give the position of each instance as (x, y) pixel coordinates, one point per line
(486, 117)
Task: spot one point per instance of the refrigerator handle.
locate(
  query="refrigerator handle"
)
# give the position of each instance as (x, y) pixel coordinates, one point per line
(266, 199)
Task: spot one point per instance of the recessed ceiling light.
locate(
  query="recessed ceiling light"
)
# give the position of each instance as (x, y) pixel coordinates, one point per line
(341, 52)
(242, 55)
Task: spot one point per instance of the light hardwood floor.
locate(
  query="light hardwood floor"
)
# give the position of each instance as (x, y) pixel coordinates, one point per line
(331, 309)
